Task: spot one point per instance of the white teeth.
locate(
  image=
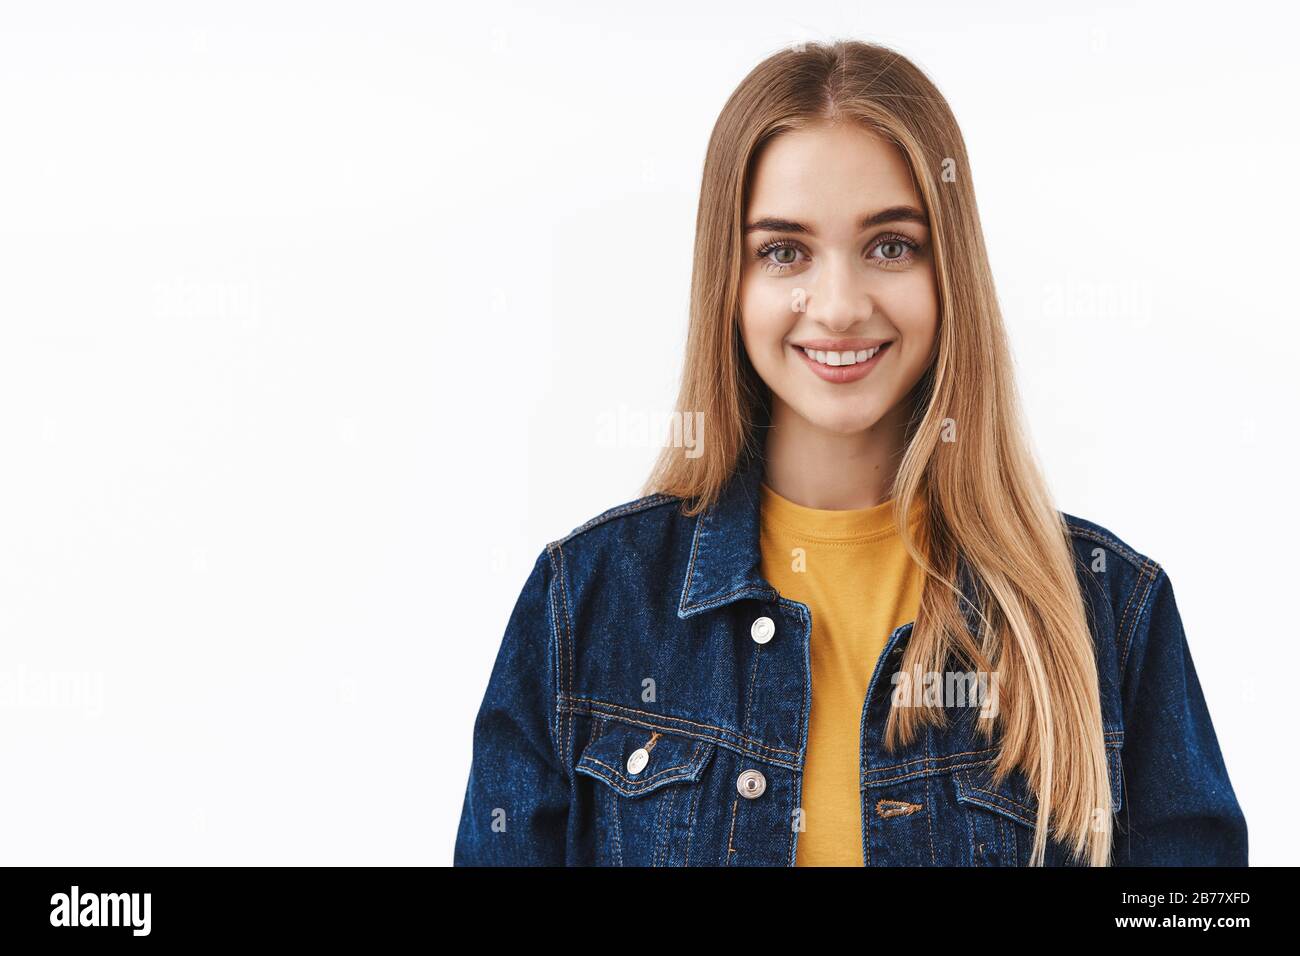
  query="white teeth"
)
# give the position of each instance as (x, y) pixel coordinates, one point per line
(841, 358)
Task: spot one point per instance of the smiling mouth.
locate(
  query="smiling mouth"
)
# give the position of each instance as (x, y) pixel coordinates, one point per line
(840, 359)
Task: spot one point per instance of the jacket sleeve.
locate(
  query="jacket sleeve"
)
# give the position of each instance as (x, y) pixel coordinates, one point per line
(517, 801)
(1179, 805)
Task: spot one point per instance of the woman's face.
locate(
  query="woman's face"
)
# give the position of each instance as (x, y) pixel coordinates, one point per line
(837, 262)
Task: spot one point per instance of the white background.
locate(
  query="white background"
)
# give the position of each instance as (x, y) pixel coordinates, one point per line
(314, 319)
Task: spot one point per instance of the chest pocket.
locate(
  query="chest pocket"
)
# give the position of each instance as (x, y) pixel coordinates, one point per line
(1001, 816)
(647, 796)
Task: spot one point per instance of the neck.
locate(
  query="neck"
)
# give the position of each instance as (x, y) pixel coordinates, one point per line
(835, 471)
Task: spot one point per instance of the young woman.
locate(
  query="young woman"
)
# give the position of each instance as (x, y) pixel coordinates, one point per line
(849, 627)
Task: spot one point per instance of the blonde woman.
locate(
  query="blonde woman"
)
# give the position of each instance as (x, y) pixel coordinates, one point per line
(850, 628)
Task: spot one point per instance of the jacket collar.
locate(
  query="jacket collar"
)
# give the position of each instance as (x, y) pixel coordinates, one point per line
(725, 560)
(725, 557)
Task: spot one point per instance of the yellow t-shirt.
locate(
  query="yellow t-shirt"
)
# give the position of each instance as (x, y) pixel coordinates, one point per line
(860, 584)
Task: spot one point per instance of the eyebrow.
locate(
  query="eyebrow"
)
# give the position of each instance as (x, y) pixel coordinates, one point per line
(892, 214)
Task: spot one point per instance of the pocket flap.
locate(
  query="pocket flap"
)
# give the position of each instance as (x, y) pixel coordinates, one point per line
(669, 757)
(1012, 796)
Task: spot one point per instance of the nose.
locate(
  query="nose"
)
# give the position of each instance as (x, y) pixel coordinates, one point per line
(839, 297)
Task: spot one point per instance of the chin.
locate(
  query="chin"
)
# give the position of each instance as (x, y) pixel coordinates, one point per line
(843, 422)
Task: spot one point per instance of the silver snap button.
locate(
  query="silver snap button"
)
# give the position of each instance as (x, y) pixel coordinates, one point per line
(636, 763)
(762, 630)
(751, 784)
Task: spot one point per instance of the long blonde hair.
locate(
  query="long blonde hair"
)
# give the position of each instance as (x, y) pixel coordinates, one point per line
(985, 497)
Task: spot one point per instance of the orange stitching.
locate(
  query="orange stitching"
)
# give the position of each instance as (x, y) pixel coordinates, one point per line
(731, 837)
(896, 808)
(929, 829)
(866, 838)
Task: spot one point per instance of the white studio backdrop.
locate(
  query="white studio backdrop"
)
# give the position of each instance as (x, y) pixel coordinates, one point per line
(318, 321)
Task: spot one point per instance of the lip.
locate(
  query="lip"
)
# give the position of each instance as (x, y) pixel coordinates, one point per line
(843, 374)
(840, 345)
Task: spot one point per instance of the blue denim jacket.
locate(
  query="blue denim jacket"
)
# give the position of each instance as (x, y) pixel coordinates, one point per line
(637, 715)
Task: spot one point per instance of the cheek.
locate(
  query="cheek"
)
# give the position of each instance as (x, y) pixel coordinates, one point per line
(765, 317)
(914, 309)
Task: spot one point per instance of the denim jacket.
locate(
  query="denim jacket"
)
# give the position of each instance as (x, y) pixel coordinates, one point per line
(649, 707)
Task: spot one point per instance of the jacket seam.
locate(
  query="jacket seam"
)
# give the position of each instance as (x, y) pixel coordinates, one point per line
(686, 770)
(631, 507)
(674, 725)
(1149, 572)
(920, 774)
(1139, 561)
(1014, 811)
(685, 601)
(562, 675)
(922, 766)
(1144, 604)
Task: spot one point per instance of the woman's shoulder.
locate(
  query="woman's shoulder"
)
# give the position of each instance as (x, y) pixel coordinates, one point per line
(642, 512)
(1090, 536)
(1093, 535)
(1111, 567)
(635, 552)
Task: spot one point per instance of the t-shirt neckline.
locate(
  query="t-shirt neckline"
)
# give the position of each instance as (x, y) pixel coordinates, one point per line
(854, 524)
